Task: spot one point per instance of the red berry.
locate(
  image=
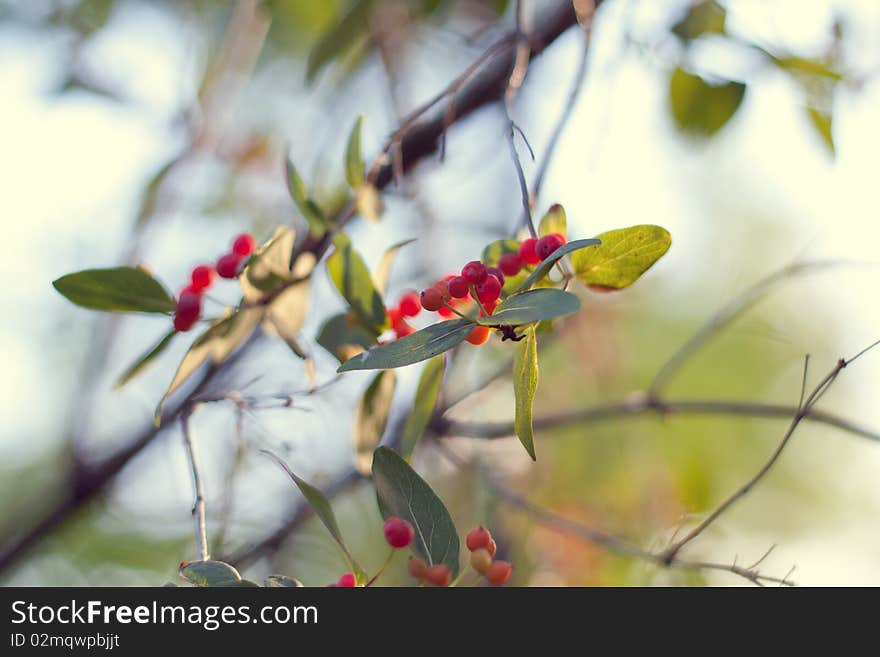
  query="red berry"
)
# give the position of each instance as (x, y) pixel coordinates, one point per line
(202, 277)
(474, 272)
(458, 287)
(189, 304)
(395, 317)
(481, 560)
(403, 329)
(347, 581)
(243, 245)
(227, 265)
(183, 324)
(478, 538)
(398, 532)
(497, 273)
(417, 568)
(499, 572)
(527, 251)
(492, 547)
(488, 290)
(439, 575)
(409, 304)
(479, 335)
(510, 264)
(548, 244)
(445, 312)
(443, 288)
(431, 299)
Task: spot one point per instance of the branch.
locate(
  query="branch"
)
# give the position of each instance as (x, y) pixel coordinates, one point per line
(199, 510)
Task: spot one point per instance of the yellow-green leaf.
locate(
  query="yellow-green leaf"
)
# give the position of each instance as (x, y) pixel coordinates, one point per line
(553, 222)
(822, 121)
(383, 270)
(118, 289)
(423, 404)
(340, 37)
(371, 418)
(352, 278)
(354, 162)
(141, 363)
(308, 208)
(525, 382)
(625, 254)
(700, 108)
(546, 265)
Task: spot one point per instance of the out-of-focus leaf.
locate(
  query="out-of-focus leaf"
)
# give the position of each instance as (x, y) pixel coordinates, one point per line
(532, 306)
(706, 17)
(423, 404)
(800, 66)
(344, 337)
(350, 275)
(700, 108)
(269, 266)
(625, 254)
(339, 38)
(208, 573)
(308, 208)
(138, 366)
(280, 581)
(119, 289)
(525, 382)
(371, 418)
(286, 314)
(493, 252)
(321, 506)
(547, 264)
(402, 493)
(217, 343)
(553, 222)
(369, 202)
(421, 345)
(354, 161)
(821, 121)
(383, 270)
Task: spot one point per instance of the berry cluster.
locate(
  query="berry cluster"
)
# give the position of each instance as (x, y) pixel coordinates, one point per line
(482, 547)
(476, 282)
(189, 301)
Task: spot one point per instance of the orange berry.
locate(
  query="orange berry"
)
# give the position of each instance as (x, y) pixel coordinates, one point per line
(417, 568)
(479, 335)
(499, 572)
(478, 538)
(439, 575)
(492, 547)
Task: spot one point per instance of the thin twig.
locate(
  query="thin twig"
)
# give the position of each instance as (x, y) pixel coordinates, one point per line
(199, 511)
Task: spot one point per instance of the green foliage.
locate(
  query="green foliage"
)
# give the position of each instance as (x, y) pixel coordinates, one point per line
(544, 268)
(268, 268)
(345, 337)
(493, 252)
(340, 37)
(421, 345)
(822, 123)
(625, 254)
(525, 382)
(371, 418)
(383, 269)
(700, 108)
(119, 289)
(704, 17)
(402, 493)
(282, 582)
(141, 363)
(209, 573)
(322, 509)
(553, 221)
(350, 275)
(532, 306)
(354, 162)
(424, 402)
(308, 208)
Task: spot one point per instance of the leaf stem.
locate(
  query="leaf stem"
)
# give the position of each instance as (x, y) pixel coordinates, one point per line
(381, 569)
(460, 314)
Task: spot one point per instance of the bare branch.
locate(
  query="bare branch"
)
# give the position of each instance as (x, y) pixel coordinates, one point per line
(199, 510)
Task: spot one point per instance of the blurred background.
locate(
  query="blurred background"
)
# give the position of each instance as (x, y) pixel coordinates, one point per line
(153, 132)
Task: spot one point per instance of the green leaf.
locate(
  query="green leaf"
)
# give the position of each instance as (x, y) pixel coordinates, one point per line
(494, 250)
(544, 268)
(138, 366)
(120, 289)
(345, 337)
(383, 270)
(350, 275)
(625, 254)
(423, 404)
(354, 161)
(553, 222)
(532, 306)
(308, 208)
(339, 38)
(208, 573)
(269, 267)
(322, 509)
(402, 493)
(810, 68)
(821, 121)
(371, 418)
(421, 345)
(280, 581)
(700, 108)
(705, 17)
(525, 382)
